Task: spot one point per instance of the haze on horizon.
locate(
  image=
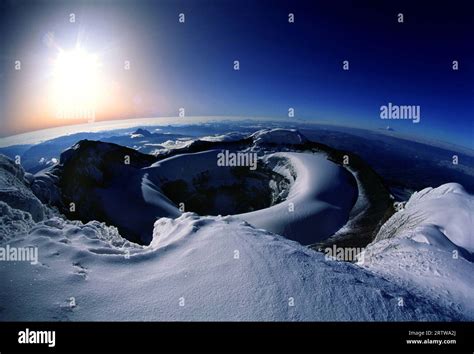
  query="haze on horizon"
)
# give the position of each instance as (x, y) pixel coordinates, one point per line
(128, 59)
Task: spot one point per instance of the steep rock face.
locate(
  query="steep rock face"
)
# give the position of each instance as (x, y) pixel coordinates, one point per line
(95, 160)
(85, 170)
(93, 164)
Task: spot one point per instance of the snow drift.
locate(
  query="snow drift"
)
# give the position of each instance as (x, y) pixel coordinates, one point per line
(197, 268)
(320, 197)
(428, 247)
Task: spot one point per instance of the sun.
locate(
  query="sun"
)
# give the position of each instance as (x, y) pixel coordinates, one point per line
(77, 84)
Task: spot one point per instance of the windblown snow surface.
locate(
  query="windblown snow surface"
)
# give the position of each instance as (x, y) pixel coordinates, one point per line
(428, 248)
(321, 194)
(223, 268)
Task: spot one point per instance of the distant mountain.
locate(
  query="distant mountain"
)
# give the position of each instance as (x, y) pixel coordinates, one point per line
(140, 132)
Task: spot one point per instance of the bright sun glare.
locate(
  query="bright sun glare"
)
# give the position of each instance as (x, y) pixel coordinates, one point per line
(77, 83)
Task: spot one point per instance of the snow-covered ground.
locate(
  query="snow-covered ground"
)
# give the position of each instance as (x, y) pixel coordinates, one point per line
(419, 267)
(320, 198)
(428, 247)
(197, 268)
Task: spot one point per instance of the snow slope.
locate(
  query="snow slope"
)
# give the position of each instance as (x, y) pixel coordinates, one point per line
(321, 193)
(320, 198)
(197, 268)
(427, 247)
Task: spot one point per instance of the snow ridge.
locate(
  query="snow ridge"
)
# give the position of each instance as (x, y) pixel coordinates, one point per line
(427, 247)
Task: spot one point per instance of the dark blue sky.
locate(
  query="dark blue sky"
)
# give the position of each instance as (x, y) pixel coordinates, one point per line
(282, 65)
